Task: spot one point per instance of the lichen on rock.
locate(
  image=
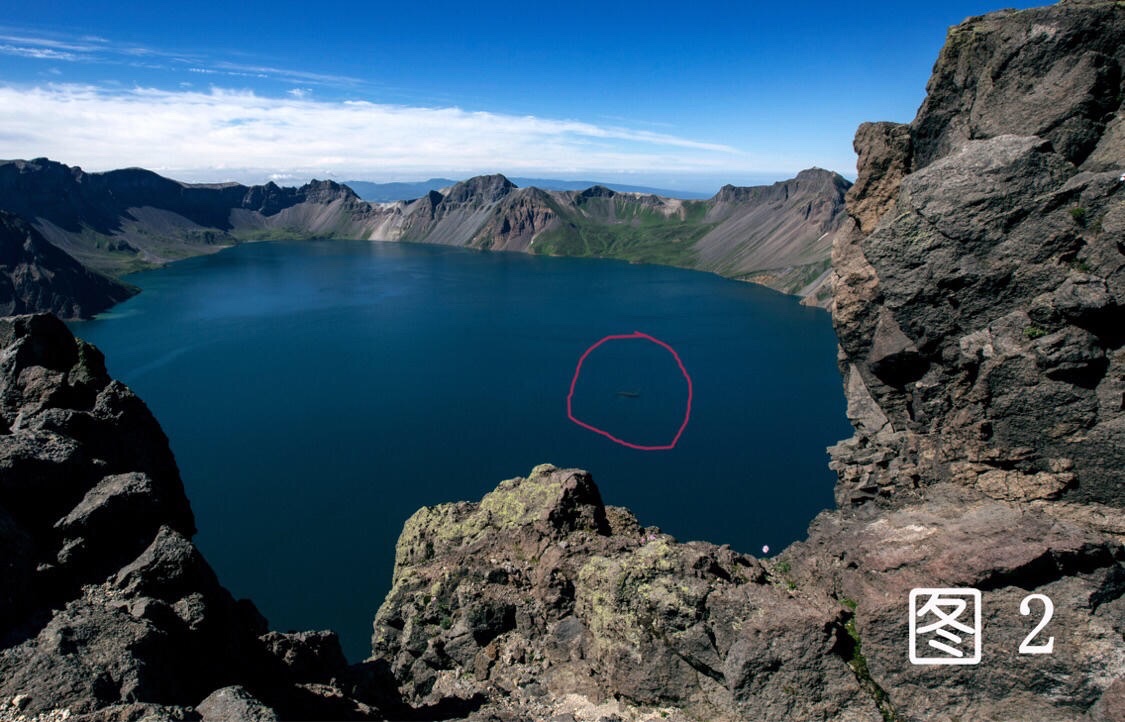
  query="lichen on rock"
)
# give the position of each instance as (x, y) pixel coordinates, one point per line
(539, 591)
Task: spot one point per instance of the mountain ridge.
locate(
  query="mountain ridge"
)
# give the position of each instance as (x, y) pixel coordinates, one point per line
(130, 219)
(407, 191)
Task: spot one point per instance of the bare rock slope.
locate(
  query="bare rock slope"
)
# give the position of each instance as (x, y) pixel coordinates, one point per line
(37, 276)
(131, 219)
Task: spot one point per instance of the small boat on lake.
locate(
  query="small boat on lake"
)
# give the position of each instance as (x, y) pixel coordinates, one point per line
(629, 394)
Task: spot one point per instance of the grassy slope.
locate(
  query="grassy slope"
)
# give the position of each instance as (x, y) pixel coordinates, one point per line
(627, 229)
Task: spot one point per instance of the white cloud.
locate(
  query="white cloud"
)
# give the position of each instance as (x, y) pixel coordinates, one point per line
(300, 76)
(82, 45)
(199, 135)
(36, 52)
(98, 50)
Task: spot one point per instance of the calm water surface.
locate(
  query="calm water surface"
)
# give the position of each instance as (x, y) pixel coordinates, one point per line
(316, 394)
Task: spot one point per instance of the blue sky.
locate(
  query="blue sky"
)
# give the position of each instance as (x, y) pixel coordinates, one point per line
(679, 95)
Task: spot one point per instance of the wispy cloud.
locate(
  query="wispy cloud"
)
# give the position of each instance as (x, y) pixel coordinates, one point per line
(98, 50)
(204, 135)
(85, 44)
(40, 53)
(265, 71)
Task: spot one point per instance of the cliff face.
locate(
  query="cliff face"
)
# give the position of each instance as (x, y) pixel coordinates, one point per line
(979, 295)
(978, 308)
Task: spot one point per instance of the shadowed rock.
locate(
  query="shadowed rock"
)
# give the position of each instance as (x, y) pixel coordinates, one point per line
(107, 609)
(36, 276)
(234, 703)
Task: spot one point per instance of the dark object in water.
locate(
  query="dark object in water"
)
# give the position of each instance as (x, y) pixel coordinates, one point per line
(629, 394)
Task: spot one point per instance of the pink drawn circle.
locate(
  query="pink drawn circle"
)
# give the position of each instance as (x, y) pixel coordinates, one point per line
(611, 437)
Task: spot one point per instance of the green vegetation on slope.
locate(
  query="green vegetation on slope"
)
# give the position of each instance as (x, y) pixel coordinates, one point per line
(627, 229)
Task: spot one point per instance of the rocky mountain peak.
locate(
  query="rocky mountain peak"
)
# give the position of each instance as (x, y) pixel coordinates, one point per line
(326, 191)
(734, 194)
(480, 189)
(820, 175)
(809, 182)
(597, 192)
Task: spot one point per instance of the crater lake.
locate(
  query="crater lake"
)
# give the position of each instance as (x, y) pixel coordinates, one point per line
(318, 393)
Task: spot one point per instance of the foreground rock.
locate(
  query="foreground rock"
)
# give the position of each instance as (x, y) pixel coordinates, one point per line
(541, 601)
(106, 607)
(540, 591)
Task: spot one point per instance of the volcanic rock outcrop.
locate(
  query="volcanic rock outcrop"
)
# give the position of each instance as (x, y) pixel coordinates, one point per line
(540, 594)
(978, 303)
(542, 602)
(106, 607)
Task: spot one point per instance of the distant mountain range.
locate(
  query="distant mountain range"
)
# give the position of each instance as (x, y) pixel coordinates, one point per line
(390, 192)
(127, 220)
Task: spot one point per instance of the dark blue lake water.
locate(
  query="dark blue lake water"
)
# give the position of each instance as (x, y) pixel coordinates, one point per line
(316, 394)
